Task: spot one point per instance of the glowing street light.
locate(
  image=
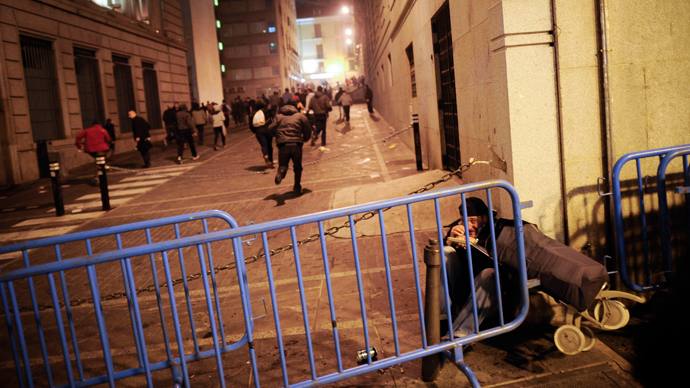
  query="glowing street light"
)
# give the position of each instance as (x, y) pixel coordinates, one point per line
(348, 31)
(345, 9)
(348, 41)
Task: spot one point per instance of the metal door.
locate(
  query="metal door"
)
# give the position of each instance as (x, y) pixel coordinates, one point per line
(443, 47)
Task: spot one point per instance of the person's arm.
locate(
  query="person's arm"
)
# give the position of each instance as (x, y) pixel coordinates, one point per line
(79, 140)
(306, 128)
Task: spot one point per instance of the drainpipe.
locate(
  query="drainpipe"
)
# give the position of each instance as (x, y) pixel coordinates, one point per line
(559, 102)
(607, 136)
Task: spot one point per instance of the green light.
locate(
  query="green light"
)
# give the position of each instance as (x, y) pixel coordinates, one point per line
(222, 68)
(220, 46)
(215, 2)
(217, 23)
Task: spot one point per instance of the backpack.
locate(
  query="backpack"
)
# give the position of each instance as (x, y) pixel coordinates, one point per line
(259, 119)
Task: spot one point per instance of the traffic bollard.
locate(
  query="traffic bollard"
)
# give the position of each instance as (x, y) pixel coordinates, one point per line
(431, 365)
(417, 141)
(57, 188)
(103, 182)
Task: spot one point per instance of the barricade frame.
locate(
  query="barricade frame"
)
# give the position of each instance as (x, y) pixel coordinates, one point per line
(665, 155)
(452, 348)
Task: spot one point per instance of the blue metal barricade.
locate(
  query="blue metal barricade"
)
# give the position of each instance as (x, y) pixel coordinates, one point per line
(643, 218)
(356, 299)
(111, 244)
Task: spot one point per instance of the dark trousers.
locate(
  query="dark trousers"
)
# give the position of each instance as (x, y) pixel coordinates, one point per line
(266, 142)
(287, 152)
(346, 109)
(320, 127)
(218, 131)
(170, 131)
(185, 136)
(370, 107)
(200, 131)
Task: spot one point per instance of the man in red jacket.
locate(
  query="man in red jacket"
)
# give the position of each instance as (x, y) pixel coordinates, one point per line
(94, 141)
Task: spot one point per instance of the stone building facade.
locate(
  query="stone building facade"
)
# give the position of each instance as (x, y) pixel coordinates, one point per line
(560, 89)
(259, 47)
(65, 63)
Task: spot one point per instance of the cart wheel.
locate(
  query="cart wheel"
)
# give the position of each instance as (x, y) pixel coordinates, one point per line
(611, 314)
(589, 338)
(569, 340)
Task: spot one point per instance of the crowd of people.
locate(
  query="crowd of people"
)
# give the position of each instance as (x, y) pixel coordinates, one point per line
(292, 119)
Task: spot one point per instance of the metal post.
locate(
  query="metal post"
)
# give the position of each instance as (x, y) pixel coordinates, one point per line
(431, 365)
(103, 182)
(54, 169)
(417, 141)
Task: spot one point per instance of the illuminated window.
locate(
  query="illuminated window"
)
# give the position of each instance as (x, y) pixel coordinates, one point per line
(273, 48)
(271, 27)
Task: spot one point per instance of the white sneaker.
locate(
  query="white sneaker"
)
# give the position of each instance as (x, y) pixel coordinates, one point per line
(179, 160)
(195, 157)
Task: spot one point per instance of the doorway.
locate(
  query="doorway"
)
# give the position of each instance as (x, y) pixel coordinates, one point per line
(445, 81)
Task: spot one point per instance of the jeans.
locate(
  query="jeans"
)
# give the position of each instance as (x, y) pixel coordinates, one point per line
(346, 108)
(287, 152)
(320, 127)
(185, 136)
(485, 293)
(218, 132)
(266, 142)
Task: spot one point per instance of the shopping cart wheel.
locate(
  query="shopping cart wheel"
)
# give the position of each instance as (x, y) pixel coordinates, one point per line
(569, 340)
(589, 338)
(611, 314)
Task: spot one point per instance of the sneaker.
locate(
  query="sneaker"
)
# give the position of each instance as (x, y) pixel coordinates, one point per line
(280, 175)
(215, 148)
(195, 157)
(179, 160)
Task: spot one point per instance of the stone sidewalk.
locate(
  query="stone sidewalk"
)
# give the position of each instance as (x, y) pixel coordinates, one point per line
(353, 168)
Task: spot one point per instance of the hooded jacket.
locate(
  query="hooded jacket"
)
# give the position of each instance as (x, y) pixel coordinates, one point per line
(185, 122)
(290, 126)
(320, 104)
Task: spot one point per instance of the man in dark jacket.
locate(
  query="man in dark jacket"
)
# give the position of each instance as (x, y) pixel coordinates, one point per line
(291, 129)
(170, 121)
(140, 131)
(186, 130)
(369, 97)
(321, 105)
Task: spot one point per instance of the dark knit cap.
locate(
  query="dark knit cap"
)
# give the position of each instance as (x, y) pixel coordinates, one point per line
(475, 207)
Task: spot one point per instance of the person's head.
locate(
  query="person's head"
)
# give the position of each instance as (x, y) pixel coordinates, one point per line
(183, 106)
(176, 105)
(477, 214)
(319, 88)
(260, 104)
(108, 121)
(95, 122)
(132, 114)
(195, 105)
(287, 90)
(292, 102)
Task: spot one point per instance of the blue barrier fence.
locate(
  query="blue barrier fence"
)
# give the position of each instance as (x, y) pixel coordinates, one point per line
(336, 297)
(649, 210)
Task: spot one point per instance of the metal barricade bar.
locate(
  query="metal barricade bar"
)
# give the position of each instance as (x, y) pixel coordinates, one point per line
(665, 155)
(343, 338)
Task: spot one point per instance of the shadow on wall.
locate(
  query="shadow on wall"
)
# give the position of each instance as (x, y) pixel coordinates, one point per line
(638, 247)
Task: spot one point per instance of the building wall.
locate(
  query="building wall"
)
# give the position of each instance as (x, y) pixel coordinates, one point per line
(529, 82)
(68, 24)
(334, 63)
(203, 56)
(259, 46)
